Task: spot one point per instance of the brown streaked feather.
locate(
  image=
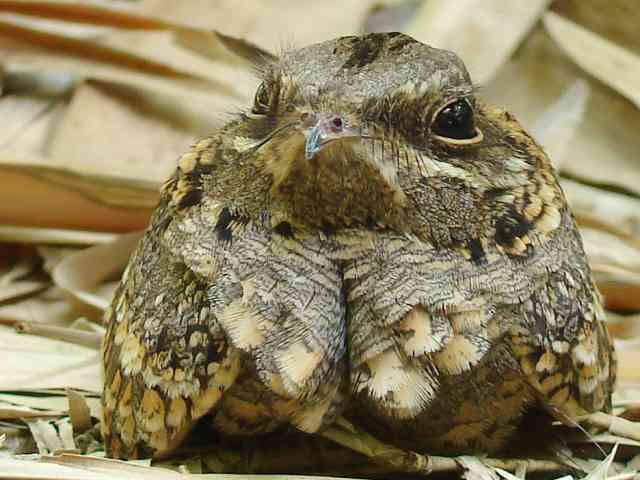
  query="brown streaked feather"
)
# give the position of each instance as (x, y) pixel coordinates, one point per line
(432, 287)
(165, 367)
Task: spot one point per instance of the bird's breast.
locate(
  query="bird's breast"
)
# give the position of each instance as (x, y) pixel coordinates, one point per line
(338, 189)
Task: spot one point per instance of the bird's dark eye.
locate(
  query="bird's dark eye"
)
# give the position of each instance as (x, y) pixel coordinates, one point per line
(455, 121)
(261, 101)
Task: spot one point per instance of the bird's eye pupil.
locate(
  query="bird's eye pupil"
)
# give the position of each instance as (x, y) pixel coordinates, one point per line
(455, 121)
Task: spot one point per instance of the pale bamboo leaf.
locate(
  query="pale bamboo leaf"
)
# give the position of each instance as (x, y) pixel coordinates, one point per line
(601, 471)
(272, 25)
(52, 236)
(611, 64)
(616, 210)
(506, 475)
(30, 361)
(81, 273)
(22, 289)
(619, 24)
(484, 33)
(79, 412)
(9, 412)
(605, 146)
(52, 401)
(557, 126)
(72, 200)
(474, 469)
(46, 435)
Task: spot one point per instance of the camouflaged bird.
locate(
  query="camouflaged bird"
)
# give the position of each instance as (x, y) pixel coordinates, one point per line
(369, 240)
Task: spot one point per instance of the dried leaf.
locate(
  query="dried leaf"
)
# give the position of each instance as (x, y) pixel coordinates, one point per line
(613, 424)
(611, 252)
(615, 261)
(72, 200)
(610, 439)
(620, 24)
(611, 64)
(557, 126)
(52, 236)
(51, 436)
(391, 16)
(620, 289)
(79, 412)
(87, 58)
(49, 307)
(474, 469)
(35, 362)
(69, 335)
(507, 475)
(25, 264)
(625, 327)
(196, 81)
(101, 188)
(634, 465)
(110, 15)
(606, 142)
(16, 413)
(18, 440)
(263, 23)
(610, 211)
(81, 273)
(11, 469)
(152, 132)
(45, 86)
(28, 120)
(16, 290)
(492, 30)
(206, 57)
(111, 467)
(48, 400)
(106, 14)
(201, 42)
(600, 472)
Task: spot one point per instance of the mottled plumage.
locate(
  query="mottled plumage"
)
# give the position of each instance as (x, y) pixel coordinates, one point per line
(370, 240)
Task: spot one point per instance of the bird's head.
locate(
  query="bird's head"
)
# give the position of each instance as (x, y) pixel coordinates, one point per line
(382, 131)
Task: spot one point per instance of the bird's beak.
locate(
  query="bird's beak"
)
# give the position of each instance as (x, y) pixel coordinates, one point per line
(324, 129)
